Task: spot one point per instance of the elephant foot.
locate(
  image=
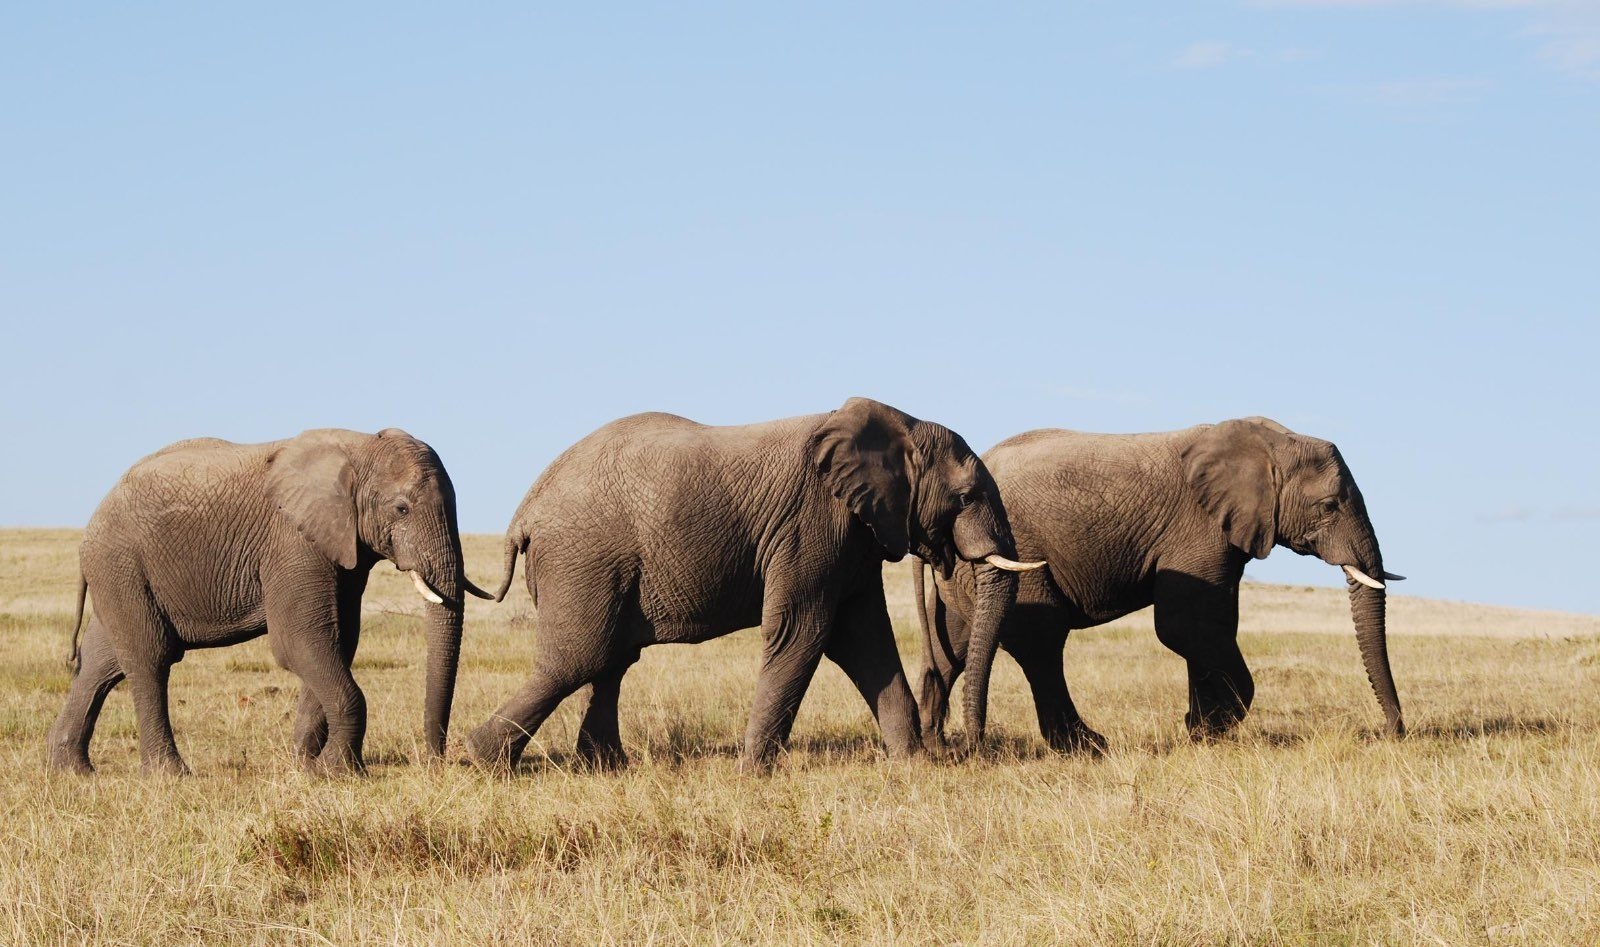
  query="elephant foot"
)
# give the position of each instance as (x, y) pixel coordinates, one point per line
(603, 755)
(1079, 739)
(907, 753)
(338, 767)
(171, 766)
(69, 762)
(488, 748)
(307, 751)
(951, 749)
(756, 765)
(603, 762)
(1209, 732)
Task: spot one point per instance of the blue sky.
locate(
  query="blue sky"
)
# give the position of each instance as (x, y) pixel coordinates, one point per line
(500, 227)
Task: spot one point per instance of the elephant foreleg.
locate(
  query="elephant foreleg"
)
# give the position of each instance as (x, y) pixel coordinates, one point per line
(862, 644)
(793, 649)
(1200, 621)
(311, 722)
(98, 673)
(304, 629)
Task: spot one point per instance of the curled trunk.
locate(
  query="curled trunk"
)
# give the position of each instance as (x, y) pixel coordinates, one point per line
(1367, 607)
(994, 592)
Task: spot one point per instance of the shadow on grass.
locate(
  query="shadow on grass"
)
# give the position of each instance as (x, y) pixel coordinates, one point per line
(687, 745)
(1500, 725)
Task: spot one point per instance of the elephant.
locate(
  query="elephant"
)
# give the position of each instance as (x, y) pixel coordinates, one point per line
(656, 529)
(207, 543)
(1167, 519)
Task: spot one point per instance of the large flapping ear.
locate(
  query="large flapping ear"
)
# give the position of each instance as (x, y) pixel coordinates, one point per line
(1232, 468)
(864, 453)
(313, 483)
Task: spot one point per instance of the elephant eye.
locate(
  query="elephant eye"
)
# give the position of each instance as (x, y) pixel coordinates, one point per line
(402, 508)
(969, 497)
(1330, 505)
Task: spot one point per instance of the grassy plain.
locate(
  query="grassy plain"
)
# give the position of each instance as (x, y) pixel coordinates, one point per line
(1483, 826)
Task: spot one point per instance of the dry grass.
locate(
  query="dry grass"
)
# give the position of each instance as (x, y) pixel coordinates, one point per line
(1482, 827)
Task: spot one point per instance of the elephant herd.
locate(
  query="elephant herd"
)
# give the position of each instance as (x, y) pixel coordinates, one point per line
(655, 529)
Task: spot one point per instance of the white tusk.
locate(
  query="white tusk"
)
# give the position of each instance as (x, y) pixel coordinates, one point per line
(423, 590)
(1011, 565)
(1362, 577)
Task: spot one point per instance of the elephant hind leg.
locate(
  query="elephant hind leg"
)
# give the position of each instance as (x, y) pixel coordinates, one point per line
(1040, 657)
(498, 742)
(600, 735)
(579, 642)
(310, 728)
(146, 647)
(98, 673)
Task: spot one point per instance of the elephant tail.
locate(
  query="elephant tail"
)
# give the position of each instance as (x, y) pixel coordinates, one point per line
(515, 541)
(75, 659)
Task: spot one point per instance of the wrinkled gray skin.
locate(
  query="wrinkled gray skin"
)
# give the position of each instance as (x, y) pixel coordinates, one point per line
(655, 529)
(207, 543)
(1168, 519)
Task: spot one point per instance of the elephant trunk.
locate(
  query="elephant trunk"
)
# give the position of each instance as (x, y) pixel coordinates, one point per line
(444, 654)
(443, 571)
(1367, 606)
(994, 592)
(1357, 550)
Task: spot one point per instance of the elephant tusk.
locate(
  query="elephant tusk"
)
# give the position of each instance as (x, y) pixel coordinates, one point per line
(423, 590)
(1011, 565)
(1391, 577)
(1362, 577)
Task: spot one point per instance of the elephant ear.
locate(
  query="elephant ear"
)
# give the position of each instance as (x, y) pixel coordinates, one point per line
(865, 455)
(313, 484)
(1233, 471)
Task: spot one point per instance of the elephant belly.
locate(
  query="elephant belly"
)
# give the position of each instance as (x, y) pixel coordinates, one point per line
(1085, 604)
(674, 615)
(216, 631)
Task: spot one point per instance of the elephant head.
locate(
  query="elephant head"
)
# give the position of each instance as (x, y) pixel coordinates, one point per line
(1265, 485)
(359, 498)
(919, 488)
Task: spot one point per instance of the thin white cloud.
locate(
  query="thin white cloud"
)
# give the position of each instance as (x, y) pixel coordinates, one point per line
(1514, 513)
(1569, 35)
(1419, 93)
(1576, 514)
(1459, 4)
(1517, 513)
(1094, 394)
(1207, 54)
(1567, 32)
(1211, 53)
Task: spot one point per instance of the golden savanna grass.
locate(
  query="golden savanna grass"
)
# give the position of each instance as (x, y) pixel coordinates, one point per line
(1483, 826)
